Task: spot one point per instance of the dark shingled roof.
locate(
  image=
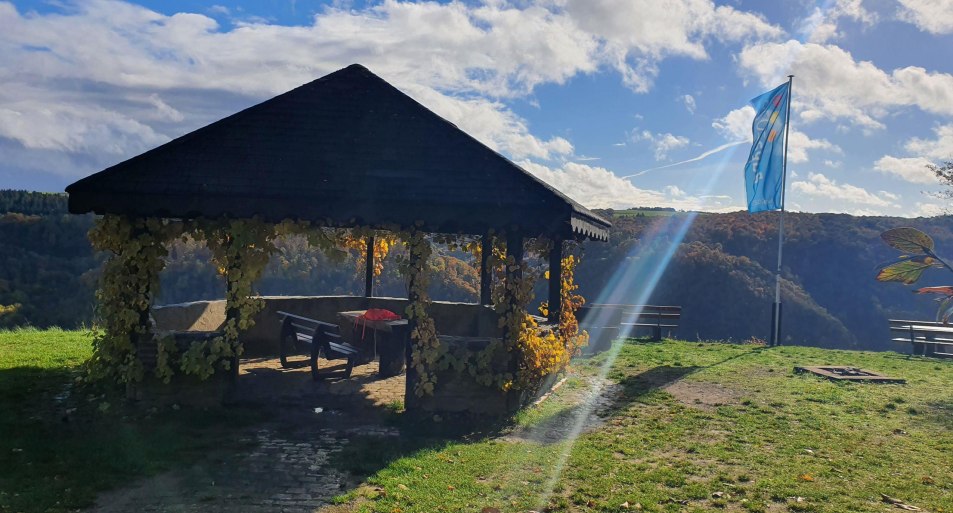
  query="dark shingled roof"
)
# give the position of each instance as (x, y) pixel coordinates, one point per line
(347, 149)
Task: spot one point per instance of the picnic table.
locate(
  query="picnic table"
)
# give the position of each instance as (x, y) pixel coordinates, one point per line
(927, 338)
(390, 339)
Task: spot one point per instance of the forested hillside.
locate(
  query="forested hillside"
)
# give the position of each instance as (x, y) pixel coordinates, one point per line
(722, 273)
(719, 267)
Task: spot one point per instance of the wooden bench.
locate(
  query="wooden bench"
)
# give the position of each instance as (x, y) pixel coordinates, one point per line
(926, 337)
(655, 317)
(301, 335)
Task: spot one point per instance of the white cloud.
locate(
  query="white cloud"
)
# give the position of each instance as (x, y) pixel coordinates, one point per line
(689, 102)
(822, 24)
(736, 125)
(940, 148)
(492, 123)
(830, 85)
(910, 169)
(820, 186)
(219, 10)
(889, 196)
(662, 143)
(674, 191)
(931, 209)
(934, 16)
(636, 34)
(597, 187)
(924, 153)
(800, 143)
(109, 77)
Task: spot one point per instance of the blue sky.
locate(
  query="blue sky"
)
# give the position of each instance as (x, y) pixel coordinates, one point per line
(611, 101)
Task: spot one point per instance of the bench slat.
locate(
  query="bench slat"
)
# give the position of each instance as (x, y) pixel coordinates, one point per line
(941, 340)
(653, 325)
(343, 348)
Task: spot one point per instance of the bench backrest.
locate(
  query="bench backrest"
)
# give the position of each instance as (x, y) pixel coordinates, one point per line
(901, 323)
(659, 314)
(316, 330)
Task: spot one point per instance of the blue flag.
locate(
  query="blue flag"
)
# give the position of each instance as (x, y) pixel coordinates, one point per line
(764, 176)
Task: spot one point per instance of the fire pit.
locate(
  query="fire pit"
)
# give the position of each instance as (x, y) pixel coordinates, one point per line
(849, 374)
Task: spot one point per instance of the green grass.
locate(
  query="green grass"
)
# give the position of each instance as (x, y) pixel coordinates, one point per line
(772, 441)
(61, 442)
(776, 438)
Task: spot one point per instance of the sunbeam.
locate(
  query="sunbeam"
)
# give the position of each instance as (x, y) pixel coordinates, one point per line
(632, 283)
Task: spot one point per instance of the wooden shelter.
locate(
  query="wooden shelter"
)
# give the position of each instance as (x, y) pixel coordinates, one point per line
(347, 149)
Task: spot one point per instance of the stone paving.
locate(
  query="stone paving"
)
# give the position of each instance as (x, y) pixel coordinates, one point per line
(286, 467)
(269, 380)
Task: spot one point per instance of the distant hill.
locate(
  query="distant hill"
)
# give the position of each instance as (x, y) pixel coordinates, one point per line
(722, 273)
(718, 267)
(32, 203)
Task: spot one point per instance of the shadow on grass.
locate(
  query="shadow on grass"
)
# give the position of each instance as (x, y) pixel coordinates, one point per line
(941, 413)
(62, 443)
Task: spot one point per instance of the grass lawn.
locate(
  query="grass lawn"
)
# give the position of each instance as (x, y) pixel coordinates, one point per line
(61, 443)
(738, 431)
(683, 427)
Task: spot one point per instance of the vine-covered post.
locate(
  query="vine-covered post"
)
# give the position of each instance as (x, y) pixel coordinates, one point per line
(514, 248)
(241, 249)
(513, 277)
(555, 280)
(486, 274)
(369, 267)
(425, 346)
(129, 282)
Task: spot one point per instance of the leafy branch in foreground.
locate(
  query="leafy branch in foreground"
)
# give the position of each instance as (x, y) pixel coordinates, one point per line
(918, 255)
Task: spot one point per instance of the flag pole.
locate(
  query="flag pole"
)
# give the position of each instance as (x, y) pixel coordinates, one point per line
(776, 312)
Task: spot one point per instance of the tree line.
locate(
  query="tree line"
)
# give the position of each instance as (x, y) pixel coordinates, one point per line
(718, 267)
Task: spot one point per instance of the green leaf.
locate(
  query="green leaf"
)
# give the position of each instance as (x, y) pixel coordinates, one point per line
(906, 271)
(908, 240)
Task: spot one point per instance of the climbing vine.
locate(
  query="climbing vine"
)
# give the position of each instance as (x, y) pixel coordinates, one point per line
(527, 352)
(129, 282)
(356, 239)
(533, 352)
(240, 249)
(425, 349)
(565, 341)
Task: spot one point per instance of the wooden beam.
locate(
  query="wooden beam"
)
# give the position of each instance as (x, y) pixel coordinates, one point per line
(486, 274)
(555, 280)
(369, 268)
(514, 248)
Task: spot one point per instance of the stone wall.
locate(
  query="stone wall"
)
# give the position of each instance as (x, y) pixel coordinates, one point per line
(455, 392)
(460, 319)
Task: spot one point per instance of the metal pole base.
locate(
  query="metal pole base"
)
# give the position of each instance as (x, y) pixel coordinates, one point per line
(775, 324)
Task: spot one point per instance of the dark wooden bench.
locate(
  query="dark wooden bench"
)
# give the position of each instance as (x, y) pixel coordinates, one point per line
(927, 338)
(657, 318)
(314, 339)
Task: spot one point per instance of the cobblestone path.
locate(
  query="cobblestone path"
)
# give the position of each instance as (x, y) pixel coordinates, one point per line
(286, 466)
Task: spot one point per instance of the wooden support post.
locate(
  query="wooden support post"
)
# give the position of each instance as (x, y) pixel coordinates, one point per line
(555, 280)
(369, 268)
(486, 274)
(514, 273)
(514, 248)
